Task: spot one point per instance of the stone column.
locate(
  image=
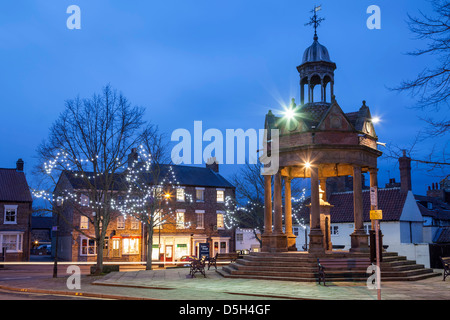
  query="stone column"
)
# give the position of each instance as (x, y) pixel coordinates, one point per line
(278, 239)
(302, 93)
(288, 215)
(359, 238)
(267, 214)
(277, 202)
(322, 91)
(315, 235)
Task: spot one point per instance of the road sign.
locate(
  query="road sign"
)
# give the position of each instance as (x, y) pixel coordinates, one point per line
(376, 214)
(373, 196)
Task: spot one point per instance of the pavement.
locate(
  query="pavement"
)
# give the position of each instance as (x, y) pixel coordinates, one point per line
(176, 284)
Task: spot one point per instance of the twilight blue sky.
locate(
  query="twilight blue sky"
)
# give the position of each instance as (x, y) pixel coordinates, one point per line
(225, 63)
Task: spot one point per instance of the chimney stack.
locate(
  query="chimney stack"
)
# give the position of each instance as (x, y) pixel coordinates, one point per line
(212, 164)
(405, 172)
(19, 165)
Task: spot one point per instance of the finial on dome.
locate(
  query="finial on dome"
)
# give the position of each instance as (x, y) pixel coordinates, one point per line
(315, 21)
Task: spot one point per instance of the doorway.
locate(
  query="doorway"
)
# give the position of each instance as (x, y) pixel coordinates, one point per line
(169, 253)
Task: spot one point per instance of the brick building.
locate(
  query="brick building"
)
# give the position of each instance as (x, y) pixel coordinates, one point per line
(198, 204)
(16, 208)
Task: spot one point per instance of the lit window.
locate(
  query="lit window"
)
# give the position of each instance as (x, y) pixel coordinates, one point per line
(157, 222)
(180, 194)
(116, 244)
(200, 194)
(10, 214)
(84, 222)
(220, 195)
(220, 223)
(130, 246)
(121, 222)
(88, 247)
(180, 219)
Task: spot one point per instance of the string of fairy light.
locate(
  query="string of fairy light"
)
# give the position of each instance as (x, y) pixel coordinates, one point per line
(233, 210)
(131, 204)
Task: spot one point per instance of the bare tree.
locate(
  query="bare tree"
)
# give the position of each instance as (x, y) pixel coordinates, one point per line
(151, 190)
(431, 87)
(92, 138)
(247, 210)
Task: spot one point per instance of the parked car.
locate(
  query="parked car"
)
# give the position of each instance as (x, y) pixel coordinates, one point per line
(187, 259)
(43, 249)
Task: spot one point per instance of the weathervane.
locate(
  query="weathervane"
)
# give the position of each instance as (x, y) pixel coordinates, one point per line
(315, 20)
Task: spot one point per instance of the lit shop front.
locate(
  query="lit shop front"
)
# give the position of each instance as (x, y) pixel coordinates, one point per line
(173, 248)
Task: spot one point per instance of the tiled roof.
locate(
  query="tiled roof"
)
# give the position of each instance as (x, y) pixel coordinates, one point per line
(442, 235)
(440, 210)
(14, 186)
(185, 175)
(391, 201)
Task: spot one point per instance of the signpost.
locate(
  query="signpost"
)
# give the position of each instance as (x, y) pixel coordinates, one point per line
(203, 250)
(376, 215)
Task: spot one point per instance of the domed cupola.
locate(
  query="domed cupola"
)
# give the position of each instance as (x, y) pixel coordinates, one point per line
(316, 52)
(316, 69)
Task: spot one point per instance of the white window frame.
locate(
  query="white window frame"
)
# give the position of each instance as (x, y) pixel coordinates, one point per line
(19, 241)
(334, 231)
(7, 208)
(180, 224)
(87, 247)
(220, 213)
(200, 214)
(202, 192)
(217, 195)
(178, 196)
(119, 222)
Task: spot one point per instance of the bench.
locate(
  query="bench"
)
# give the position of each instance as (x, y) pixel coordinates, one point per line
(446, 266)
(232, 257)
(339, 265)
(197, 265)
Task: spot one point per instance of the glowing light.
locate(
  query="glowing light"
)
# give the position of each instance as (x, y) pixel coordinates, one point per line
(307, 165)
(376, 120)
(289, 113)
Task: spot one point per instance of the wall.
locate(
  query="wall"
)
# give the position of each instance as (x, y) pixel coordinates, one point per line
(416, 252)
(249, 240)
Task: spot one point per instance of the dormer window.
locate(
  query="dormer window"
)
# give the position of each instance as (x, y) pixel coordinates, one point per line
(430, 206)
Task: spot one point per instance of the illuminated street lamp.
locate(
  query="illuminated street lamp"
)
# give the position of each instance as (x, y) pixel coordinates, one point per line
(376, 120)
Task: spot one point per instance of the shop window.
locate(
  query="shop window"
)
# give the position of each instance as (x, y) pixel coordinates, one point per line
(130, 246)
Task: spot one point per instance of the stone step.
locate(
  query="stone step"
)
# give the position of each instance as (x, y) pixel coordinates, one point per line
(338, 267)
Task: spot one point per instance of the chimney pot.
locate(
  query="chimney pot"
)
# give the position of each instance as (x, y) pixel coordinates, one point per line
(19, 165)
